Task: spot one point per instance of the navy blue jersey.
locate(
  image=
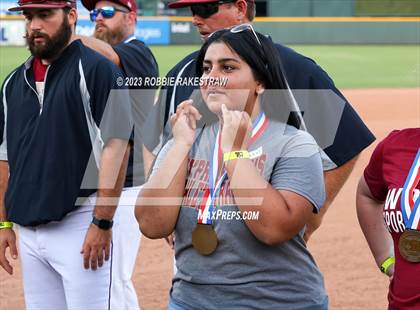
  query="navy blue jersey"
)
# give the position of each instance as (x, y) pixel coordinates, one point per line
(308, 82)
(137, 60)
(138, 64)
(156, 129)
(52, 141)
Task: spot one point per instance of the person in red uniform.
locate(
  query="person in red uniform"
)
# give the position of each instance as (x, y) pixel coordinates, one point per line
(389, 192)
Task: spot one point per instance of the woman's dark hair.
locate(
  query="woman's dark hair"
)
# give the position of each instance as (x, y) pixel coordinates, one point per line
(264, 61)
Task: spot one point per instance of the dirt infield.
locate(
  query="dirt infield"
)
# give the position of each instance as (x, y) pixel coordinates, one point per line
(351, 277)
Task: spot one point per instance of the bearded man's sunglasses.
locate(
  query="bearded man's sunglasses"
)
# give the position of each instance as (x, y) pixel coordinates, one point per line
(106, 12)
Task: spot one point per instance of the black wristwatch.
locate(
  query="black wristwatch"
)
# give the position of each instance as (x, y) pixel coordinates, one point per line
(102, 224)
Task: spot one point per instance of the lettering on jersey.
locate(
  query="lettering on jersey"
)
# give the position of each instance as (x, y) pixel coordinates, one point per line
(197, 183)
(392, 198)
(392, 211)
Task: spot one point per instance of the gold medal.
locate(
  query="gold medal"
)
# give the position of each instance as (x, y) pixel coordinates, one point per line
(409, 245)
(204, 239)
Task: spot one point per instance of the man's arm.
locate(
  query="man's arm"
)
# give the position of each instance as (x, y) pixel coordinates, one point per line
(111, 180)
(7, 235)
(101, 47)
(153, 128)
(148, 159)
(334, 181)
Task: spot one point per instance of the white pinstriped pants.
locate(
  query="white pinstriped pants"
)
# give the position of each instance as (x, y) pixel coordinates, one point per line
(52, 266)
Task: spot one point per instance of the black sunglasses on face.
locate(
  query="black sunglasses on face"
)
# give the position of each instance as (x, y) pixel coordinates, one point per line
(205, 10)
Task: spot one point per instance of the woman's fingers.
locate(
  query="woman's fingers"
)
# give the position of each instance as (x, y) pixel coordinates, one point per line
(194, 112)
(226, 114)
(191, 112)
(184, 104)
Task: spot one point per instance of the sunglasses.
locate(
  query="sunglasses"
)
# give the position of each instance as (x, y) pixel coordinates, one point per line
(245, 27)
(106, 12)
(205, 10)
(242, 28)
(238, 29)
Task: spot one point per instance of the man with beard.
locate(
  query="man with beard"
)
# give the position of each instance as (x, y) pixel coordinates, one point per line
(114, 37)
(65, 129)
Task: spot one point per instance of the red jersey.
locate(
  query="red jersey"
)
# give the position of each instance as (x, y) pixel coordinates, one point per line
(39, 70)
(385, 176)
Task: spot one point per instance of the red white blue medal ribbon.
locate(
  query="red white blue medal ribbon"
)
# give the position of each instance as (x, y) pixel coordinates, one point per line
(409, 208)
(206, 207)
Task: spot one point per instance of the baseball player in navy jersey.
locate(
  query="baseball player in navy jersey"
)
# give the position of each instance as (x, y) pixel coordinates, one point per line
(114, 37)
(302, 73)
(65, 127)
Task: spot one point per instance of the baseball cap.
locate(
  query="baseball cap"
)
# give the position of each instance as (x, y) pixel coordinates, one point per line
(129, 4)
(43, 4)
(183, 3)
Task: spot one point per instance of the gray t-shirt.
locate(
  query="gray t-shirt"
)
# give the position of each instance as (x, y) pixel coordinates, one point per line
(244, 273)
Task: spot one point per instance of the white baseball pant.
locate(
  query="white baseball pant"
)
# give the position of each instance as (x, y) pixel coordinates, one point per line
(52, 266)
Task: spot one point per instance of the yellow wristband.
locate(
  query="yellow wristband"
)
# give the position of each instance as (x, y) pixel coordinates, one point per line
(235, 155)
(386, 264)
(6, 225)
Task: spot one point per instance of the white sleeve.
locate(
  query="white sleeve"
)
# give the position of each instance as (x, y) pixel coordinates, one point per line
(3, 146)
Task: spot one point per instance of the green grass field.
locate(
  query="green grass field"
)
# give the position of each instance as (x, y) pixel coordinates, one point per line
(350, 66)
